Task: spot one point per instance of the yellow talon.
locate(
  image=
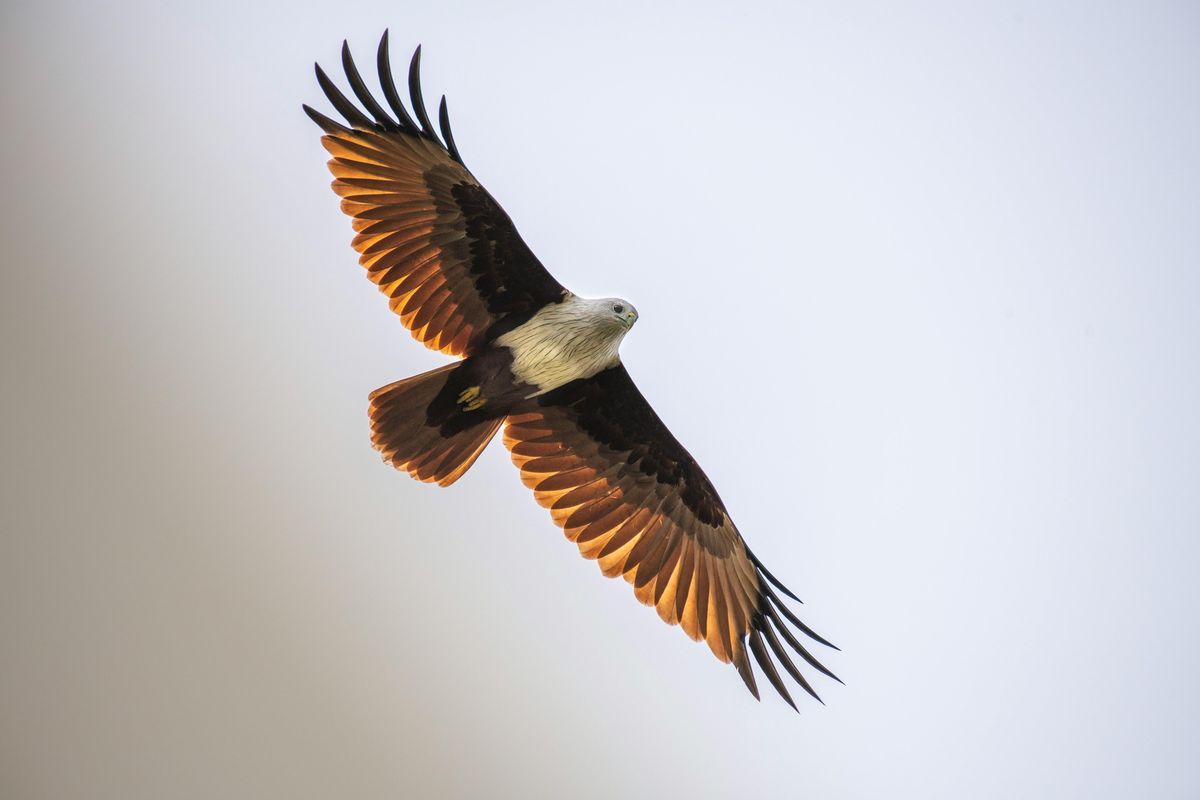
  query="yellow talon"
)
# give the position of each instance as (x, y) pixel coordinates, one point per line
(470, 400)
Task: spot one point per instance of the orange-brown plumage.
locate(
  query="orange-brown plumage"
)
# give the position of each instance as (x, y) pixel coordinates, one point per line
(543, 364)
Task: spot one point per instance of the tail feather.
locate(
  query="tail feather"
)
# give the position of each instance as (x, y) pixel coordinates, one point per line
(400, 430)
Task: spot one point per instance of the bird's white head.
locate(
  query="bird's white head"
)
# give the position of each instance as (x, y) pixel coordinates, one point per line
(610, 314)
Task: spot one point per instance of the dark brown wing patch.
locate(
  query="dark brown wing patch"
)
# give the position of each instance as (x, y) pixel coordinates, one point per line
(631, 497)
(435, 242)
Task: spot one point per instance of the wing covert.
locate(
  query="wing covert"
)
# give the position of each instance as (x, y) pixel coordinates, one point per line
(430, 236)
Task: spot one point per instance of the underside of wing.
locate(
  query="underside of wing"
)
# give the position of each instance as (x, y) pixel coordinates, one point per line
(631, 497)
(430, 236)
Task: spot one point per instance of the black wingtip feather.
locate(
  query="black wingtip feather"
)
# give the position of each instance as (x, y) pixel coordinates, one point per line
(798, 647)
(775, 581)
(388, 83)
(382, 120)
(792, 618)
(414, 92)
(768, 667)
(347, 109)
(360, 89)
(326, 124)
(765, 626)
(747, 672)
(447, 134)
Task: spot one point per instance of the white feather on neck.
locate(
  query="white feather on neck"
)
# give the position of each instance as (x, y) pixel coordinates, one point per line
(565, 341)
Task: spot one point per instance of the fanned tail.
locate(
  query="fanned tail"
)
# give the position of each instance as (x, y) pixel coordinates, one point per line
(402, 432)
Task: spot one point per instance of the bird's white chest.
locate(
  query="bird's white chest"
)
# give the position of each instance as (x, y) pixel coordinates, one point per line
(558, 346)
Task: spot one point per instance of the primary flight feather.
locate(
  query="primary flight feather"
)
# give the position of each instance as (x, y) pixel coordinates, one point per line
(544, 363)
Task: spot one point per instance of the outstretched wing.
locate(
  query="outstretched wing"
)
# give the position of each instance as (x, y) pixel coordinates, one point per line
(630, 496)
(432, 239)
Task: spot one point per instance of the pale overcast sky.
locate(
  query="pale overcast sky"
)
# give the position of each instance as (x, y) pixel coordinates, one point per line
(918, 288)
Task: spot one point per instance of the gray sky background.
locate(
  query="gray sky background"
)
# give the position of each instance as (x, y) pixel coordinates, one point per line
(918, 288)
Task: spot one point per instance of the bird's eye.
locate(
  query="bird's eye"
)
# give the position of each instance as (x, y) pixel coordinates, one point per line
(619, 309)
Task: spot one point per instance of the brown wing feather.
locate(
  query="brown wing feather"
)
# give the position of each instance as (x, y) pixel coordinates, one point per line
(631, 498)
(629, 526)
(429, 235)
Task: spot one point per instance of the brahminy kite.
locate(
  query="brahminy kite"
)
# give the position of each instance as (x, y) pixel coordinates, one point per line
(544, 363)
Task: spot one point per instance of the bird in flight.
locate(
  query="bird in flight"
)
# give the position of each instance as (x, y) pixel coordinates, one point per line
(544, 363)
